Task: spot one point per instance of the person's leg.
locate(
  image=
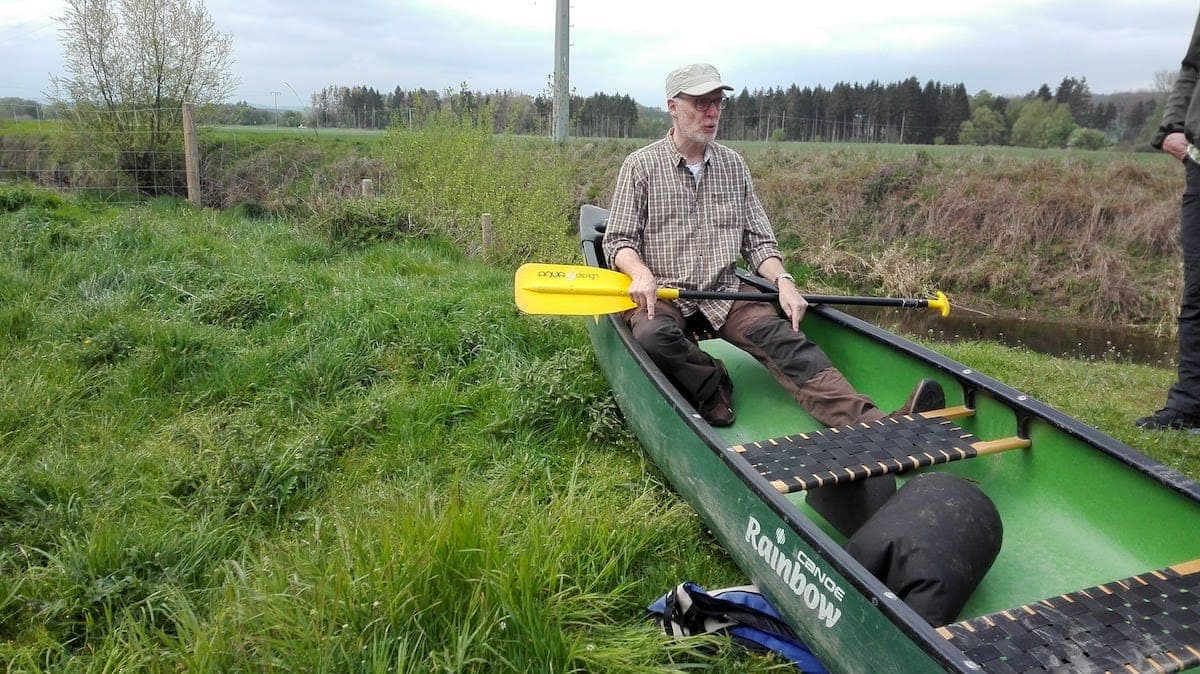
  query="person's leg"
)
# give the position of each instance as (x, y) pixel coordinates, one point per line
(1184, 395)
(1182, 410)
(800, 366)
(807, 373)
(697, 375)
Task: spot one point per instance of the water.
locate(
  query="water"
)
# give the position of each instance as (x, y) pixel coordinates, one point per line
(1070, 340)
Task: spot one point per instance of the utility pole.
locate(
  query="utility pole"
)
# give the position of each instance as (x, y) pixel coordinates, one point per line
(562, 84)
(276, 94)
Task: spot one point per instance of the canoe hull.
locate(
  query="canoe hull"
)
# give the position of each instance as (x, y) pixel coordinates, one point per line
(1080, 509)
(762, 532)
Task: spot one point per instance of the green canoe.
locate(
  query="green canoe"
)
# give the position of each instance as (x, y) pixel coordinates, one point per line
(1100, 564)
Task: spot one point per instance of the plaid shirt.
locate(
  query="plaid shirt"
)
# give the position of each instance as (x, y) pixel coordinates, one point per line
(689, 235)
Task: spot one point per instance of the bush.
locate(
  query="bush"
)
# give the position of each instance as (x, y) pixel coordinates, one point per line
(15, 198)
(363, 221)
(454, 170)
(1087, 139)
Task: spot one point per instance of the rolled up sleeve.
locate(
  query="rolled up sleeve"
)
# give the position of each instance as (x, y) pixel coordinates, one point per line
(758, 239)
(627, 213)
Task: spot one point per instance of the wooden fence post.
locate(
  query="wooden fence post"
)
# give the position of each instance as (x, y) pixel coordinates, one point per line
(368, 187)
(191, 153)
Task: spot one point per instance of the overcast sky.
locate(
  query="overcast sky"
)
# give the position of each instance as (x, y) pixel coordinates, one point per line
(297, 47)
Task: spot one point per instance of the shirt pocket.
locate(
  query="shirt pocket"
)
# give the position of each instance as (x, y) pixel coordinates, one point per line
(727, 210)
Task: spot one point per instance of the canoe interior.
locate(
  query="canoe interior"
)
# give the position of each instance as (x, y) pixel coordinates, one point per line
(1073, 517)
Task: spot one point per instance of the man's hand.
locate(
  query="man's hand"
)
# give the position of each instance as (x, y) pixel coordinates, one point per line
(643, 288)
(1176, 145)
(792, 302)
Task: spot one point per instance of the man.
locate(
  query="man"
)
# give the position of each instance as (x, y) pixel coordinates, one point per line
(683, 210)
(1177, 136)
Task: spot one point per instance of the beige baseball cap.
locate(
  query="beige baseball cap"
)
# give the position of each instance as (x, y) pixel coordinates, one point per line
(696, 79)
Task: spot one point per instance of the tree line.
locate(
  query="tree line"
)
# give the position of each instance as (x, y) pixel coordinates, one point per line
(900, 112)
(597, 115)
(906, 111)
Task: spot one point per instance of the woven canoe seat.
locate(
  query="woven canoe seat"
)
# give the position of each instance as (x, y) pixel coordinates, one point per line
(1146, 623)
(859, 451)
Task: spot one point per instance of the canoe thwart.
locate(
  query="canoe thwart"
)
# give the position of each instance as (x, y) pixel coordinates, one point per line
(859, 451)
(956, 412)
(1145, 623)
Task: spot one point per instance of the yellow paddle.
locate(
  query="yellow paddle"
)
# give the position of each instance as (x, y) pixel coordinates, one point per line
(577, 290)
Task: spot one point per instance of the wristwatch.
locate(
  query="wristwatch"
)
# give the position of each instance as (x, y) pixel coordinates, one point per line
(784, 275)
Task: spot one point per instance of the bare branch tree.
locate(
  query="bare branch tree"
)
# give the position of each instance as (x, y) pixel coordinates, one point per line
(130, 65)
(1164, 81)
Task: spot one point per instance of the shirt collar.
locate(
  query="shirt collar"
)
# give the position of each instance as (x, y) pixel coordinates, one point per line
(680, 160)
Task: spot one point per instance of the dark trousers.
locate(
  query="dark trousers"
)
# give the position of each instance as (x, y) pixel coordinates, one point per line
(755, 327)
(1184, 395)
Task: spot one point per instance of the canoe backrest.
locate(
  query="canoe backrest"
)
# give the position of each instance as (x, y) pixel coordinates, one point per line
(592, 220)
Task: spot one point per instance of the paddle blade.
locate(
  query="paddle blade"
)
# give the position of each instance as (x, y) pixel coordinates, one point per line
(570, 290)
(941, 304)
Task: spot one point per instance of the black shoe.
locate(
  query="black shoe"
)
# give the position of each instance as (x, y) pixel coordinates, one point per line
(1168, 419)
(718, 409)
(928, 395)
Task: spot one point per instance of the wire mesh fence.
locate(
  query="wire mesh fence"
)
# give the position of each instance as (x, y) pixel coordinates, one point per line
(142, 155)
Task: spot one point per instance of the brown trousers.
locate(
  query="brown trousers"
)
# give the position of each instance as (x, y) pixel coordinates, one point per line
(755, 327)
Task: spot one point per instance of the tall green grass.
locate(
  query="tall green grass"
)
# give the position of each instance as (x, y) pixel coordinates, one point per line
(1057, 233)
(235, 444)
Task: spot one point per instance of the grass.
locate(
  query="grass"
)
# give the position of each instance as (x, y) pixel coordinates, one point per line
(232, 443)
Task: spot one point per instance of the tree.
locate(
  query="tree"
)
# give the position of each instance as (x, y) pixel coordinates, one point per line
(1042, 124)
(1077, 96)
(1164, 81)
(1087, 139)
(1137, 120)
(986, 127)
(131, 64)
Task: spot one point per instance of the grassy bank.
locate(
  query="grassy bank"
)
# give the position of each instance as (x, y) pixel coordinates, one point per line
(1058, 234)
(239, 444)
(1086, 236)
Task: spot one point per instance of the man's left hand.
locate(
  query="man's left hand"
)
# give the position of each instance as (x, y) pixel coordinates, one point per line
(792, 302)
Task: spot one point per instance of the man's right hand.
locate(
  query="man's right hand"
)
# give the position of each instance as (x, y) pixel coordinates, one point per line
(1176, 145)
(643, 290)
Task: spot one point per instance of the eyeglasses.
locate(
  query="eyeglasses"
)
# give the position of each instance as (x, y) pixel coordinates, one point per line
(704, 104)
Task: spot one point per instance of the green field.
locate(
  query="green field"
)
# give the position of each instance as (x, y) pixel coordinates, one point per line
(275, 132)
(887, 150)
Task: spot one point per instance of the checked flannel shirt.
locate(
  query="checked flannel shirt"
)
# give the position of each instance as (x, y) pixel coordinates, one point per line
(689, 234)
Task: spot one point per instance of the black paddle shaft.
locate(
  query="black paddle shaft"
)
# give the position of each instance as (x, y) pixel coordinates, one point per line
(906, 302)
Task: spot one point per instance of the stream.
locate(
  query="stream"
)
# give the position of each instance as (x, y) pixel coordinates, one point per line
(1082, 341)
